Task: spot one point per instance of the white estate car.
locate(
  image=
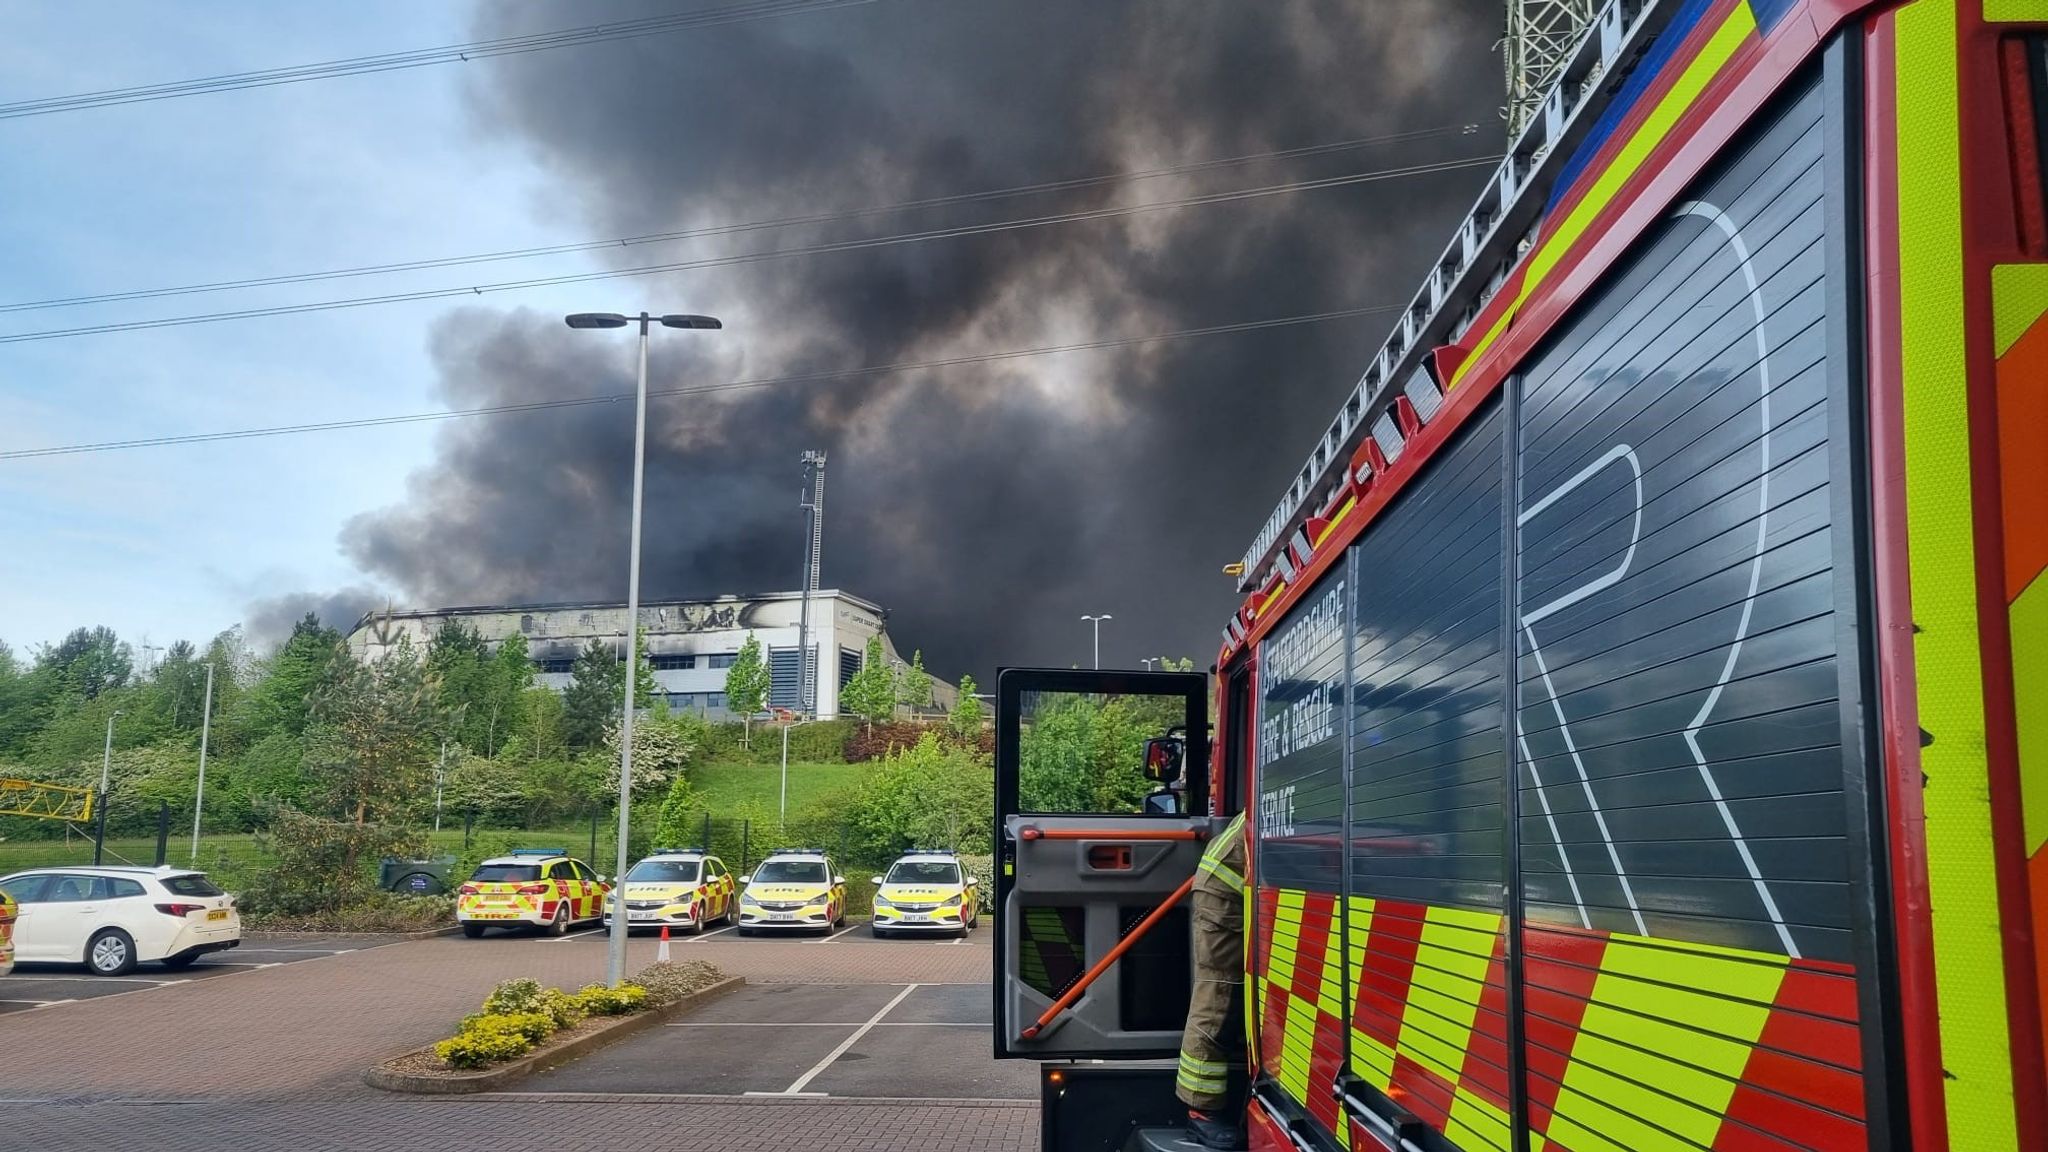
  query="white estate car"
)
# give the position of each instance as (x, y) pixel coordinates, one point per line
(110, 919)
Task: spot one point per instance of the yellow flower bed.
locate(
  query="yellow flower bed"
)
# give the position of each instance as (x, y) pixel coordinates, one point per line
(520, 1014)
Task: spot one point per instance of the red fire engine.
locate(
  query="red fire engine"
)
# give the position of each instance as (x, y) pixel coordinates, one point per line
(1641, 693)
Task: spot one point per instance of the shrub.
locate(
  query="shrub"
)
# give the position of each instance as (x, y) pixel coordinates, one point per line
(598, 1000)
(535, 1026)
(823, 742)
(983, 869)
(514, 996)
(676, 979)
(863, 744)
(486, 1039)
(378, 912)
(528, 997)
(561, 1007)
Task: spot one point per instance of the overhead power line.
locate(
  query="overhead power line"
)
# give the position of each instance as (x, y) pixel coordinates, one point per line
(693, 390)
(746, 226)
(758, 257)
(424, 57)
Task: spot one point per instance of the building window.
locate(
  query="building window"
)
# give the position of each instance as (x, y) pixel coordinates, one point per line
(586, 620)
(724, 659)
(669, 663)
(716, 701)
(849, 666)
(559, 664)
(526, 623)
(783, 678)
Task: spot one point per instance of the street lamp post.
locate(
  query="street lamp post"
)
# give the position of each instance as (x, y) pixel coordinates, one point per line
(1097, 621)
(617, 959)
(99, 836)
(1149, 661)
(205, 729)
(782, 811)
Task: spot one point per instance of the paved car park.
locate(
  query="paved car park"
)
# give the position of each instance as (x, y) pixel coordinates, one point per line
(837, 1042)
(894, 1041)
(41, 986)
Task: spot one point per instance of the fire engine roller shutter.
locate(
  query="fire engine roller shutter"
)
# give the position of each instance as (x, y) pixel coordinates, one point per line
(1299, 857)
(1684, 828)
(1425, 915)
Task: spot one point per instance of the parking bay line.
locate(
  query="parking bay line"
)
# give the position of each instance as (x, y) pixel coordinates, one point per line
(797, 1089)
(22, 976)
(836, 935)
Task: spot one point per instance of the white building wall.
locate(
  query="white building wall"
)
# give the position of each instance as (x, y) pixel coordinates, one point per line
(701, 630)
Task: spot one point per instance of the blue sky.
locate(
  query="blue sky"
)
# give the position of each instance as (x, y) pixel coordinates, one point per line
(177, 542)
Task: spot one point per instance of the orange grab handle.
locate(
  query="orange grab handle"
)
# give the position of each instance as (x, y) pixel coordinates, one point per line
(1034, 833)
(1066, 1001)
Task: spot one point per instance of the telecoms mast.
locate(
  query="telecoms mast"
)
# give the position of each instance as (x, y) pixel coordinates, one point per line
(813, 504)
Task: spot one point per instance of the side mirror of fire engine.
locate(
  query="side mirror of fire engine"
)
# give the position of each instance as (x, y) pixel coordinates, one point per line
(1164, 802)
(1163, 756)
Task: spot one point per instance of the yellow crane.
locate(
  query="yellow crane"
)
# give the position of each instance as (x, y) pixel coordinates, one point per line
(47, 801)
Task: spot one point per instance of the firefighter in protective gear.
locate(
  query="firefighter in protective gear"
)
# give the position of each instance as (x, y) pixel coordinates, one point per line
(1211, 1072)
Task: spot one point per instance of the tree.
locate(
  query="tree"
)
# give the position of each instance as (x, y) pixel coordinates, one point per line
(1083, 754)
(746, 687)
(928, 795)
(662, 748)
(916, 687)
(89, 661)
(370, 740)
(511, 675)
(871, 694)
(592, 697)
(676, 826)
(283, 695)
(965, 722)
(597, 686)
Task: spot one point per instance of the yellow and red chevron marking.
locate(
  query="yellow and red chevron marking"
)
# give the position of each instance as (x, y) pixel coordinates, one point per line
(2019, 302)
(1633, 1044)
(1642, 1045)
(1301, 1001)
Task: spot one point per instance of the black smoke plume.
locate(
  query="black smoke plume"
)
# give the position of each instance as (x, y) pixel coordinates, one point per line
(988, 505)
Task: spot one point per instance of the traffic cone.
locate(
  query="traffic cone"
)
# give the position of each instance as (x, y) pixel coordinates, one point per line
(661, 954)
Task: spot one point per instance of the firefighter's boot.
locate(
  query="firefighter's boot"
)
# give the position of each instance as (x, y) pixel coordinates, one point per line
(1212, 1131)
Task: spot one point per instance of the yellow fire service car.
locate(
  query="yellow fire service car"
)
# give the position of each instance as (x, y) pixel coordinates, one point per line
(678, 888)
(793, 888)
(531, 887)
(925, 892)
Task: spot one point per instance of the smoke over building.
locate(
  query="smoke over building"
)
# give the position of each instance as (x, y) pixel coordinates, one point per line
(988, 503)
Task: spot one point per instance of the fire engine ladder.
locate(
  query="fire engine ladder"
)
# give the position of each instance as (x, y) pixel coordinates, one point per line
(1374, 422)
(45, 801)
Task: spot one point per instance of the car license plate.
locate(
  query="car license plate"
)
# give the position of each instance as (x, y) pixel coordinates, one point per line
(782, 915)
(639, 914)
(917, 917)
(217, 914)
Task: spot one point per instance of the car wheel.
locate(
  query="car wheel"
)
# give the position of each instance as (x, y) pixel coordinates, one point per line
(559, 926)
(472, 930)
(110, 952)
(697, 920)
(182, 962)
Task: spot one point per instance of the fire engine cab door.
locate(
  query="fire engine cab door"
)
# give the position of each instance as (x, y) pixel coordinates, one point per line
(1087, 847)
